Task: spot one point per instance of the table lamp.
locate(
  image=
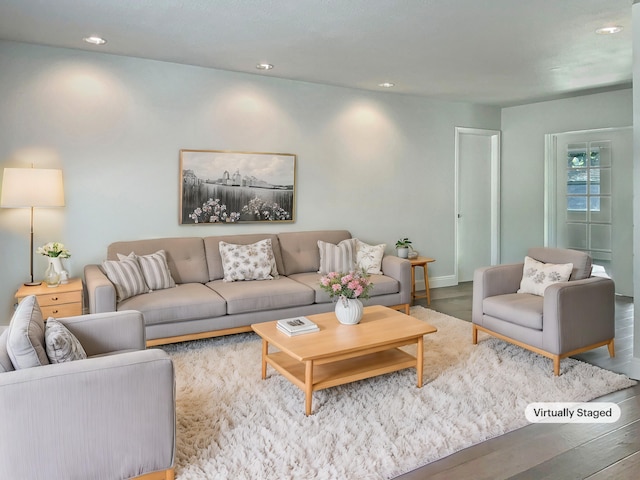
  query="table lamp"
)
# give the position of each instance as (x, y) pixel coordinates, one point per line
(29, 188)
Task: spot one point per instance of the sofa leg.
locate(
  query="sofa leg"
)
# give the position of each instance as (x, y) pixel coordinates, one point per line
(474, 334)
(612, 348)
(556, 365)
(168, 474)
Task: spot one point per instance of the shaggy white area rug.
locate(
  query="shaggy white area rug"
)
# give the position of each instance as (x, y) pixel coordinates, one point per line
(231, 424)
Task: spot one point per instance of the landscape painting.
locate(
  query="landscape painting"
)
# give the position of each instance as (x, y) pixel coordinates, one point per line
(236, 187)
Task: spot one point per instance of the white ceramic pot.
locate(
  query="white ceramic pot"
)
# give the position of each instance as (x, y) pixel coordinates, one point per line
(403, 252)
(349, 310)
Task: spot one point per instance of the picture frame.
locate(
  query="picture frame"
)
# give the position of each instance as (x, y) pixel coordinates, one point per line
(228, 187)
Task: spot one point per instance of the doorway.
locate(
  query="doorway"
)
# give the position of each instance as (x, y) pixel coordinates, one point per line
(477, 197)
(588, 199)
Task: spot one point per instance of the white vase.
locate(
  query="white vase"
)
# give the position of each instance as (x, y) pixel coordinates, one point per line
(51, 276)
(349, 310)
(403, 252)
(57, 264)
(59, 268)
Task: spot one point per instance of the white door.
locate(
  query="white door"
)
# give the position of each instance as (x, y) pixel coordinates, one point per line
(478, 200)
(593, 200)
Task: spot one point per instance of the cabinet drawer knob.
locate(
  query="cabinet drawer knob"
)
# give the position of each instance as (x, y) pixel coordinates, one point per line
(54, 299)
(55, 311)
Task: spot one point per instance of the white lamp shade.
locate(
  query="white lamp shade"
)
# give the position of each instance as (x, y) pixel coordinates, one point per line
(32, 187)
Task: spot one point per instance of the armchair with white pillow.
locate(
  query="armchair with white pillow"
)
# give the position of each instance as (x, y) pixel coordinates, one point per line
(81, 397)
(550, 304)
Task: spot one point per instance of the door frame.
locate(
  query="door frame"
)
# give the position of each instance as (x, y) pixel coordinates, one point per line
(495, 137)
(550, 179)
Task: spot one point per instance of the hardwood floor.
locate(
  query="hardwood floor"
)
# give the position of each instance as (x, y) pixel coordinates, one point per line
(595, 451)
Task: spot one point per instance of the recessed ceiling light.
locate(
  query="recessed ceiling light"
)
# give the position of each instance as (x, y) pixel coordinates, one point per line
(609, 30)
(386, 85)
(264, 66)
(95, 40)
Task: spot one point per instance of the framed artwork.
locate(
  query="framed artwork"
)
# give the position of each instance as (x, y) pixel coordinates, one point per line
(236, 187)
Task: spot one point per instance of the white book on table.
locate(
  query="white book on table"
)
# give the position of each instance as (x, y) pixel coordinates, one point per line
(297, 325)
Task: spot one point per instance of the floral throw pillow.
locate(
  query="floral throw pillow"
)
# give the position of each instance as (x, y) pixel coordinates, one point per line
(537, 276)
(369, 257)
(248, 262)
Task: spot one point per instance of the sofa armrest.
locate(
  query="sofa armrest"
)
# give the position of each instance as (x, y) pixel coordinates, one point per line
(578, 313)
(491, 281)
(100, 291)
(108, 332)
(105, 417)
(400, 270)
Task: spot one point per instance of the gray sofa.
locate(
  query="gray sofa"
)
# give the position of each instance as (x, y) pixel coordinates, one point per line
(110, 416)
(203, 305)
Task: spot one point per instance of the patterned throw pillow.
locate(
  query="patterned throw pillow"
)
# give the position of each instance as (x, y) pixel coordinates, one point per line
(155, 269)
(337, 258)
(126, 277)
(248, 262)
(25, 340)
(62, 345)
(369, 257)
(537, 276)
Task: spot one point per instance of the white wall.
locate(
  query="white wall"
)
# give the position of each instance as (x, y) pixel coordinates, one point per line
(522, 183)
(378, 164)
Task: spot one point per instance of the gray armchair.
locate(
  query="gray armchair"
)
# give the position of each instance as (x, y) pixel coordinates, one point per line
(111, 416)
(572, 317)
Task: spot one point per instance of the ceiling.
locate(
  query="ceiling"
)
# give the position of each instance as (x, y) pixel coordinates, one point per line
(494, 52)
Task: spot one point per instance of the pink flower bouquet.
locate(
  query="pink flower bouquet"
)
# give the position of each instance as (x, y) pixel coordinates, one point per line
(347, 285)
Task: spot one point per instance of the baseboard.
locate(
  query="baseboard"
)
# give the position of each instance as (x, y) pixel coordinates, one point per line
(438, 282)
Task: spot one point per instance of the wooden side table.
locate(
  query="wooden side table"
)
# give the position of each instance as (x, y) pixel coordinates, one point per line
(65, 300)
(424, 263)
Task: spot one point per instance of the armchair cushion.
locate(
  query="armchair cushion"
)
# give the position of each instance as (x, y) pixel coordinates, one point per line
(61, 344)
(25, 341)
(537, 276)
(520, 309)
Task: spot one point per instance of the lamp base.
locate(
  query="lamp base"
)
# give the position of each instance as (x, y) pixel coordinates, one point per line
(32, 284)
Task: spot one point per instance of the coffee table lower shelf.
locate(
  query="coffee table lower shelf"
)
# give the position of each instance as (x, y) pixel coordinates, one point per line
(312, 376)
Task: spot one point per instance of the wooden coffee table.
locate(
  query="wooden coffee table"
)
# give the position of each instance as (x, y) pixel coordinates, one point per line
(340, 354)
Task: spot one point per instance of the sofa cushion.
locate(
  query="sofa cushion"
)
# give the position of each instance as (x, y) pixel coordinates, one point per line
(248, 262)
(214, 260)
(381, 285)
(25, 341)
(61, 345)
(581, 261)
(5, 360)
(369, 257)
(537, 276)
(190, 301)
(156, 270)
(185, 256)
(126, 276)
(300, 251)
(517, 308)
(243, 297)
(337, 258)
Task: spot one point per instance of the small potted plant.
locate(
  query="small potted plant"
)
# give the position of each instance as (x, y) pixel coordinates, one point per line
(402, 246)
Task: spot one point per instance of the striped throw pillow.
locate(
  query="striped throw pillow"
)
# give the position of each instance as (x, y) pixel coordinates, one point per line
(155, 270)
(126, 277)
(337, 258)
